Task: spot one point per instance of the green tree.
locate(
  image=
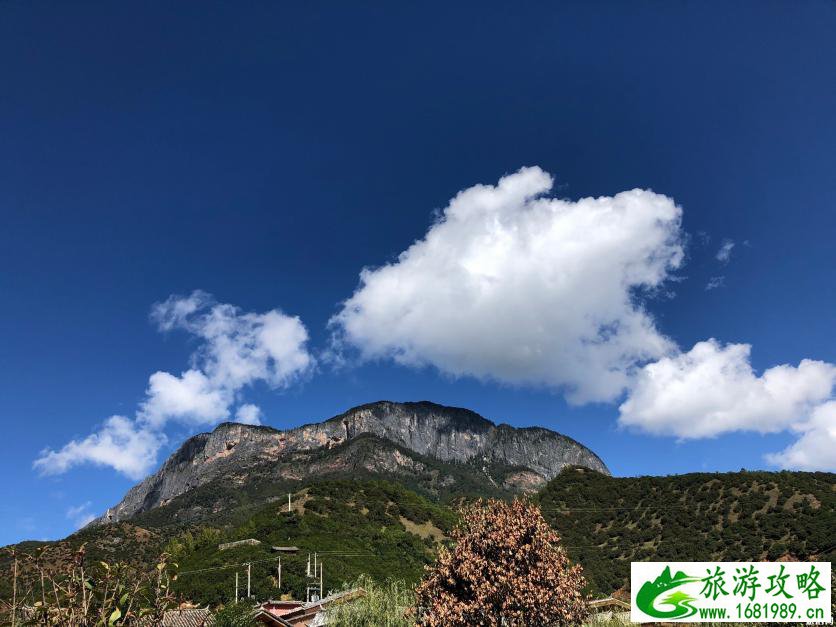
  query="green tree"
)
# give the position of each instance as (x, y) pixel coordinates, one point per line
(378, 605)
(236, 615)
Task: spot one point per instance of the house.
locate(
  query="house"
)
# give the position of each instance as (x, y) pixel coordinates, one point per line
(285, 549)
(280, 608)
(311, 614)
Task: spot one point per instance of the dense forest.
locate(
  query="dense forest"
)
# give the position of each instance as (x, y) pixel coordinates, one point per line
(607, 522)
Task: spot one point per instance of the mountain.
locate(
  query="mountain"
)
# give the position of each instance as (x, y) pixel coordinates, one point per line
(410, 439)
(375, 490)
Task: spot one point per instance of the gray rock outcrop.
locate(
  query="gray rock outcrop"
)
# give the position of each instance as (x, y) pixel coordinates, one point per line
(445, 433)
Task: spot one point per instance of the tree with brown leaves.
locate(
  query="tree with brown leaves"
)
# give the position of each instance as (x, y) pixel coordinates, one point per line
(506, 569)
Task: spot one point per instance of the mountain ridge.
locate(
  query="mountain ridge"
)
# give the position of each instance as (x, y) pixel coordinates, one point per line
(449, 434)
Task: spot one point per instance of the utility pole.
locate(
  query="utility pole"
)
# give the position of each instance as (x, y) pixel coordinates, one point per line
(14, 594)
(236, 586)
(288, 502)
(248, 580)
(312, 587)
(280, 573)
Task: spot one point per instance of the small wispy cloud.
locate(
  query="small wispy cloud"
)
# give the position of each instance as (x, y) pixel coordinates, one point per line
(724, 254)
(715, 282)
(80, 515)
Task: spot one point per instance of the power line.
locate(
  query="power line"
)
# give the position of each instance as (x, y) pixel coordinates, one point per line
(224, 567)
(273, 559)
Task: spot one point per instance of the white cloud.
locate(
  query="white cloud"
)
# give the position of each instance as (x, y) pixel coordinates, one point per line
(237, 349)
(176, 311)
(120, 444)
(715, 282)
(74, 511)
(513, 286)
(81, 515)
(248, 414)
(816, 448)
(190, 397)
(712, 390)
(724, 254)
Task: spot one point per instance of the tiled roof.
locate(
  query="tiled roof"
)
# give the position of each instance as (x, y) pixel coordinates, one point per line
(286, 549)
(268, 618)
(182, 618)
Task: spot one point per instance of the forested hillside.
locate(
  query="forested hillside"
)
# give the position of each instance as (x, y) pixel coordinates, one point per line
(388, 530)
(354, 527)
(608, 522)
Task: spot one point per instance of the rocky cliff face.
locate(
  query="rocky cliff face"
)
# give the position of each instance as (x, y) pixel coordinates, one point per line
(445, 433)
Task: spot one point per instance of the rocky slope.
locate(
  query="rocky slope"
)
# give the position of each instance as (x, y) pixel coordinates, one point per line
(447, 434)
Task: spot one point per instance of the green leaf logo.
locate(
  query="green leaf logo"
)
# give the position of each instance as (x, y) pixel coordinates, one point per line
(678, 600)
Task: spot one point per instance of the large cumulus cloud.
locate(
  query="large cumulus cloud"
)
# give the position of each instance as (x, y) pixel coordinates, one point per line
(513, 286)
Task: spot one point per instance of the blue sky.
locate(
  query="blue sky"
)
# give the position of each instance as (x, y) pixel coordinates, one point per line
(265, 153)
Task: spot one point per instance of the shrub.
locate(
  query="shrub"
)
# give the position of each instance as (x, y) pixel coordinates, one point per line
(236, 615)
(381, 605)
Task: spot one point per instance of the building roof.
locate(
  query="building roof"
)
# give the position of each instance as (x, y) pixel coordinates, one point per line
(230, 545)
(309, 611)
(268, 618)
(181, 618)
(286, 549)
(280, 608)
(608, 604)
